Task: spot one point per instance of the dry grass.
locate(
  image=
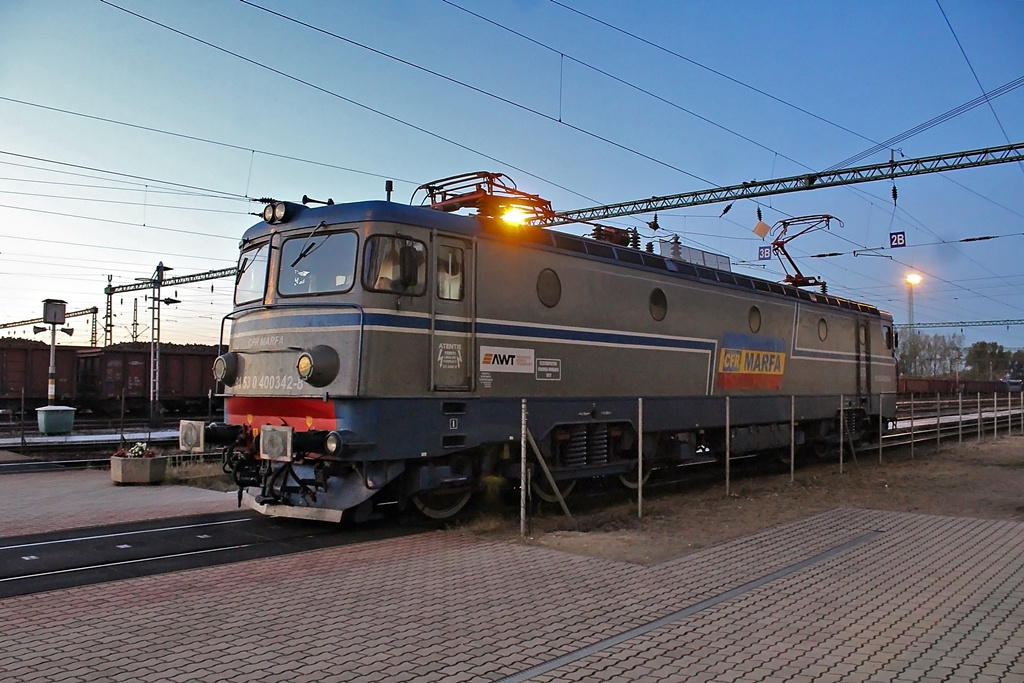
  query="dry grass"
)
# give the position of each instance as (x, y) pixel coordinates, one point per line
(205, 475)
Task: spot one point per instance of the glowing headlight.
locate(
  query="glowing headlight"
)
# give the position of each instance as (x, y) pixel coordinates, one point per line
(318, 366)
(225, 368)
(305, 366)
(276, 212)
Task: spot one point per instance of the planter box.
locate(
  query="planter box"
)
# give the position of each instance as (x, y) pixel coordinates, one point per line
(138, 470)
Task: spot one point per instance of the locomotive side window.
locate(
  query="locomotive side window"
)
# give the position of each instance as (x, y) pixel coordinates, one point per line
(252, 275)
(392, 263)
(449, 273)
(754, 319)
(549, 288)
(318, 264)
(822, 329)
(658, 304)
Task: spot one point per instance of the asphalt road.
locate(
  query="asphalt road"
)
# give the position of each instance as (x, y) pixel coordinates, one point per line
(78, 557)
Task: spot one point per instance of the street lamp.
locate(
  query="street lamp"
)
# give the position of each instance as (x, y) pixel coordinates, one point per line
(912, 280)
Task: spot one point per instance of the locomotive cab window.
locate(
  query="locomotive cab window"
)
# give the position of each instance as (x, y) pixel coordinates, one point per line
(392, 263)
(449, 273)
(251, 280)
(314, 263)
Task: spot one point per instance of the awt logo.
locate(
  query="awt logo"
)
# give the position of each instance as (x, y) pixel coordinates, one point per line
(506, 359)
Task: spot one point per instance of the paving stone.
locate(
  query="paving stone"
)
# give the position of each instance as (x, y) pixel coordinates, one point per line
(927, 598)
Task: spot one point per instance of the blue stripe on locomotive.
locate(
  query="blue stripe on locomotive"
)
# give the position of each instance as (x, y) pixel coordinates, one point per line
(399, 322)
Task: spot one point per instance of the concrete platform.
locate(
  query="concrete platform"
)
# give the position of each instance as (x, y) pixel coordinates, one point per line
(91, 439)
(847, 595)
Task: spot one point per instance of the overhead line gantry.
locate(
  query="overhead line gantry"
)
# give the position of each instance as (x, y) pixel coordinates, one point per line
(74, 314)
(892, 169)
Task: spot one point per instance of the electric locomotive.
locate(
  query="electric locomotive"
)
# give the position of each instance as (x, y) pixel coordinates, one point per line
(382, 352)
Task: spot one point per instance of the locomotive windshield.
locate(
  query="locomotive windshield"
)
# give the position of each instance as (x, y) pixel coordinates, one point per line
(252, 274)
(317, 264)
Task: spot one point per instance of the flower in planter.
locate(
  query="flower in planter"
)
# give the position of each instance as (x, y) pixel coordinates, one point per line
(139, 450)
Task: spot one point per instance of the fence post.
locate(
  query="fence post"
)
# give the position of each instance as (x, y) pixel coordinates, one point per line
(979, 417)
(1009, 414)
(20, 424)
(881, 428)
(960, 417)
(792, 438)
(728, 445)
(640, 460)
(995, 414)
(938, 423)
(912, 425)
(522, 474)
(842, 432)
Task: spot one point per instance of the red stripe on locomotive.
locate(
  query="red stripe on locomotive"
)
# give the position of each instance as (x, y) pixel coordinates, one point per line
(300, 413)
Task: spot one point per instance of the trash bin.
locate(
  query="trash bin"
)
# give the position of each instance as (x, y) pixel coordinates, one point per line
(55, 419)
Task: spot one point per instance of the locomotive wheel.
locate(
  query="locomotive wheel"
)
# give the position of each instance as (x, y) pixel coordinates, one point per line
(441, 504)
(542, 489)
(628, 479)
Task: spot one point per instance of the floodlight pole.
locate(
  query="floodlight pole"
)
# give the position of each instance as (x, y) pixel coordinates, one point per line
(51, 380)
(53, 315)
(155, 414)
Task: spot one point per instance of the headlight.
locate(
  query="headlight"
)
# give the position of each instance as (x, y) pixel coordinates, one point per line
(276, 212)
(318, 366)
(225, 368)
(333, 444)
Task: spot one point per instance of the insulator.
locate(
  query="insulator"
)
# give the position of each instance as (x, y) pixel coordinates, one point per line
(634, 238)
(759, 213)
(650, 247)
(894, 195)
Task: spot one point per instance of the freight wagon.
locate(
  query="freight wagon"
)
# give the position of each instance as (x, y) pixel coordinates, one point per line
(24, 371)
(109, 374)
(98, 379)
(939, 385)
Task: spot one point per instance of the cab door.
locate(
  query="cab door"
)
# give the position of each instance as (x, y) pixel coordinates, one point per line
(452, 319)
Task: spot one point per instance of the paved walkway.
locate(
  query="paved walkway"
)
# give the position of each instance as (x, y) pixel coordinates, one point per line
(848, 595)
(41, 502)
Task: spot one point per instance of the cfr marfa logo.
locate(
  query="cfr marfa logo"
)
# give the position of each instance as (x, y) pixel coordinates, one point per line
(752, 362)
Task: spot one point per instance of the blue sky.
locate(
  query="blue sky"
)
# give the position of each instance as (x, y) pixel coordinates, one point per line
(527, 88)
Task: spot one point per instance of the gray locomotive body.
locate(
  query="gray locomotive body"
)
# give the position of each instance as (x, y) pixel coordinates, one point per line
(384, 351)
